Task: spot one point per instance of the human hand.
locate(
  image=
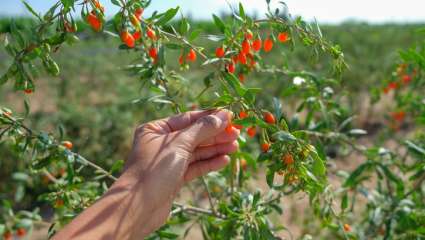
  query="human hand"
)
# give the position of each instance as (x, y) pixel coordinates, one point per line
(169, 152)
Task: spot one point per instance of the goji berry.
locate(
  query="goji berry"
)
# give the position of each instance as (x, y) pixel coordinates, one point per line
(127, 39)
(229, 128)
(135, 21)
(181, 59)
(406, 79)
(347, 227)
(251, 131)
(268, 45)
(98, 5)
(191, 56)
(59, 202)
(21, 232)
(242, 58)
(269, 118)
(28, 91)
(243, 114)
(7, 235)
(137, 35)
(288, 159)
(67, 144)
(256, 45)
(392, 85)
(94, 21)
(230, 67)
(237, 126)
(265, 147)
(241, 78)
(151, 34)
(138, 13)
(243, 164)
(219, 52)
(246, 46)
(153, 53)
(282, 37)
(248, 34)
(398, 116)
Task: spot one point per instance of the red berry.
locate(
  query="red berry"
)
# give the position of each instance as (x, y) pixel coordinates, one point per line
(241, 78)
(237, 126)
(288, 159)
(386, 90)
(230, 67)
(282, 37)
(181, 60)
(242, 58)
(138, 13)
(28, 91)
(127, 39)
(151, 34)
(229, 128)
(59, 203)
(265, 147)
(219, 52)
(406, 79)
(398, 116)
(269, 118)
(251, 131)
(256, 45)
(392, 85)
(94, 22)
(7, 235)
(137, 35)
(246, 46)
(243, 164)
(67, 144)
(347, 227)
(21, 232)
(191, 56)
(248, 34)
(268, 45)
(153, 53)
(243, 114)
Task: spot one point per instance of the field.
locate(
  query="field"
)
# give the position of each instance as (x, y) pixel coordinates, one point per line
(98, 104)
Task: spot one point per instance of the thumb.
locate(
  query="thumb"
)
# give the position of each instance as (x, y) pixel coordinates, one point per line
(207, 127)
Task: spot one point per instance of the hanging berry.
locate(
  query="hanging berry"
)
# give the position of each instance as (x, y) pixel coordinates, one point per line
(246, 47)
(138, 13)
(151, 34)
(67, 144)
(191, 56)
(288, 159)
(248, 34)
(241, 77)
(219, 52)
(127, 39)
(251, 131)
(230, 67)
(282, 37)
(269, 118)
(256, 44)
(21, 232)
(153, 53)
(265, 147)
(243, 114)
(268, 45)
(137, 35)
(94, 21)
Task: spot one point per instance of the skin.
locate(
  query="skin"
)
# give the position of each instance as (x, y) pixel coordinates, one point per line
(166, 154)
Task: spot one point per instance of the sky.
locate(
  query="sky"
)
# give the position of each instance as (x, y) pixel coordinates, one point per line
(325, 11)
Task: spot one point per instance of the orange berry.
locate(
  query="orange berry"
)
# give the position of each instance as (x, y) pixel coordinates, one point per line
(181, 60)
(242, 58)
(248, 34)
(386, 90)
(67, 144)
(230, 67)
(251, 131)
(137, 35)
(347, 227)
(151, 34)
(269, 118)
(243, 114)
(237, 126)
(138, 13)
(392, 85)
(288, 159)
(7, 235)
(256, 45)
(406, 79)
(127, 39)
(243, 164)
(219, 52)
(265, 147)
(98, 5)
(268, 45)
(229, 128)
(241, 78)
(21, 232)
(282, 37)
(398, 116)
(94, 22)
(246, 46)
(59, 202)
(28, 91)
(191, 56)
(153, 53)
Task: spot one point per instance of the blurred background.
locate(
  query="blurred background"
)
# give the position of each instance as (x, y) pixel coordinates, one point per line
(92, 99)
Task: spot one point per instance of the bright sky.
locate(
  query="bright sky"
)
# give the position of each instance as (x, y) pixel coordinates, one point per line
(325, 11)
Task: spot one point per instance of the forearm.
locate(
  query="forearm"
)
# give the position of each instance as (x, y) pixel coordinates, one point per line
(120, 214)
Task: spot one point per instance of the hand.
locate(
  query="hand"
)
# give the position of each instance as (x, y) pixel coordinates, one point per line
(166, 153)
(169, 152)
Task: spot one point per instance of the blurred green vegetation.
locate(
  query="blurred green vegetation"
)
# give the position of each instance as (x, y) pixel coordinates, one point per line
(92, 97)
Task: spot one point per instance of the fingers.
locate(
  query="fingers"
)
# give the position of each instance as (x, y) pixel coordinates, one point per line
(207, 127)
(202, 153)
(181, 121)
(223, 137)
(200, 168)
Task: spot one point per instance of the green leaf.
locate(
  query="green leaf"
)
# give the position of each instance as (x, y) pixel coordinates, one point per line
(219, 23)
(184, 26)
(415, 148)
(344, 201)
(235, 84)
(164, 19)
(195, 34)
(352, 179)
(241, 11)
(284, 136)
(31, 10)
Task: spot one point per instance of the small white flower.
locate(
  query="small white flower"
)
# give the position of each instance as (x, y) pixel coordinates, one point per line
(298, 80)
